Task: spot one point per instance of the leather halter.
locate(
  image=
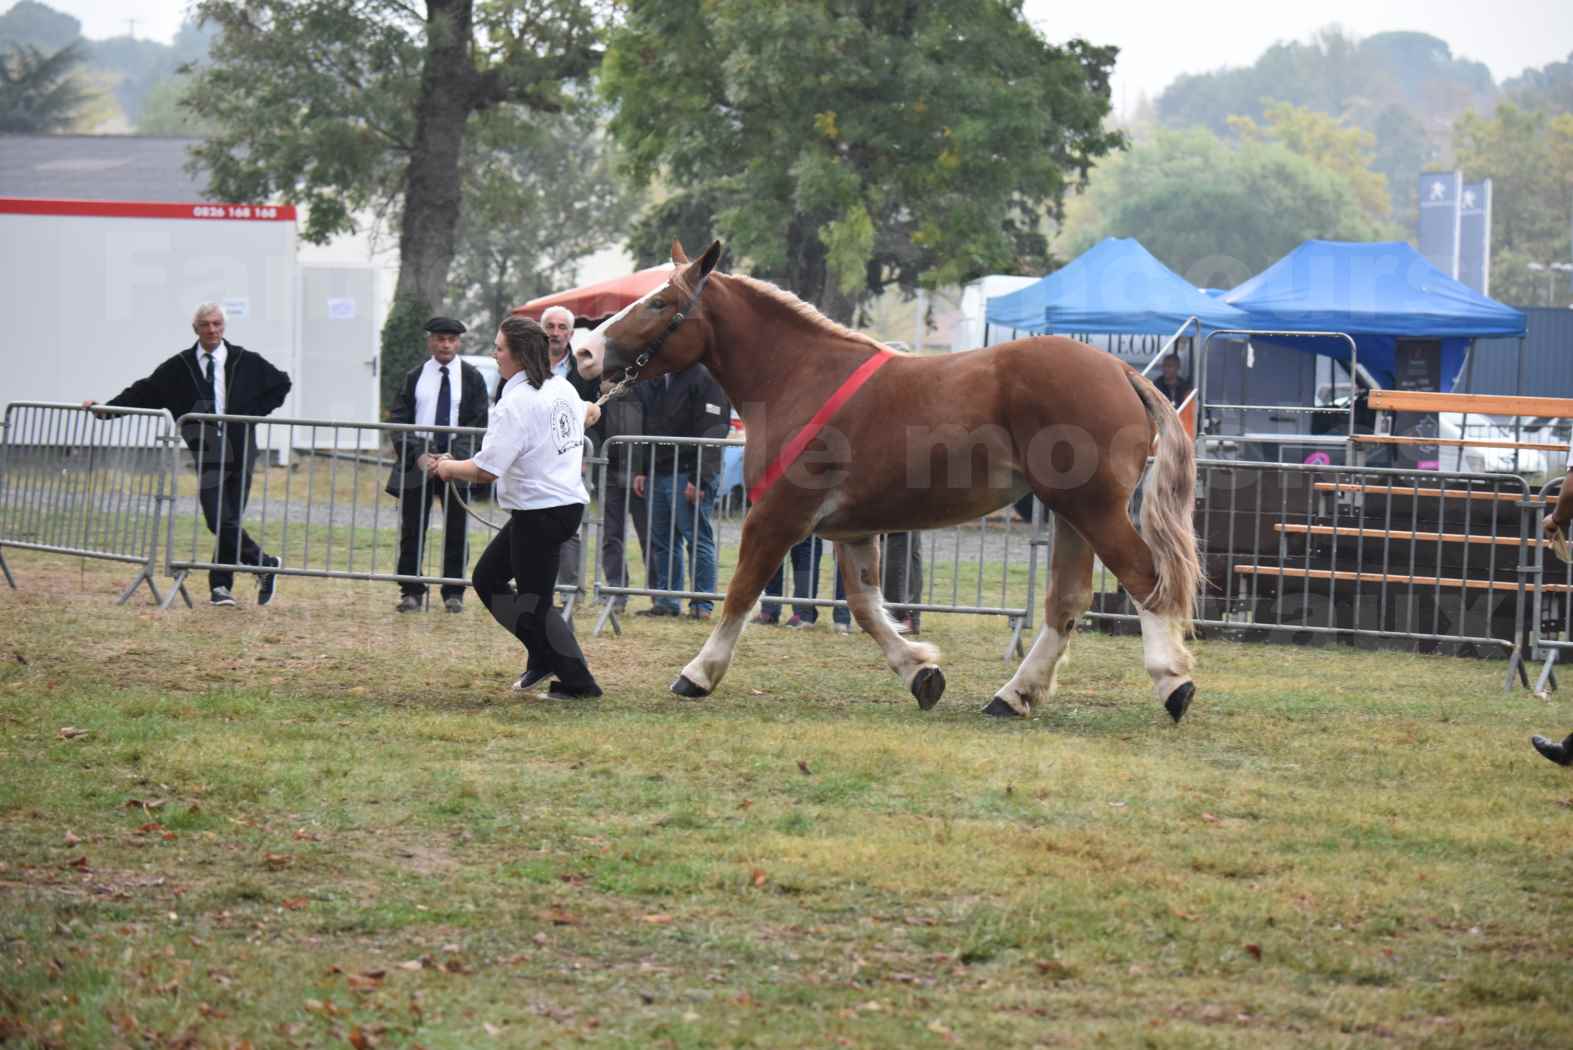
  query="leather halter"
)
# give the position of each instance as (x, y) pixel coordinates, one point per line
(645, 355)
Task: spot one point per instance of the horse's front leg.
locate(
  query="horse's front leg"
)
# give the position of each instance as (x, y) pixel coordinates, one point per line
(764, 545)
(916, 662)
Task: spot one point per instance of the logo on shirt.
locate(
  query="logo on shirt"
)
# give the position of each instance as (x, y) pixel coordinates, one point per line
(563, 425)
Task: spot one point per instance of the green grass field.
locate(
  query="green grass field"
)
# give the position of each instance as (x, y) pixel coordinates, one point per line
(319, 824)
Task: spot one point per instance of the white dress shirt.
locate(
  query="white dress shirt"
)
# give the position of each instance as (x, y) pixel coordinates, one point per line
(427, 388)
(220, 355)
(534, 445)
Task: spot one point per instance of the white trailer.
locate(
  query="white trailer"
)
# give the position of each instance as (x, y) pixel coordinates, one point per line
(97, 293)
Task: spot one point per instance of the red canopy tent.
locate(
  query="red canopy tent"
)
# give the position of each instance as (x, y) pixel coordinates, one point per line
(602, 299)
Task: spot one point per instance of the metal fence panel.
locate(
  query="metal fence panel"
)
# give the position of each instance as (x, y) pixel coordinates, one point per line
(325, 511)
(1309, 551)
(984, 567)
(89, 483)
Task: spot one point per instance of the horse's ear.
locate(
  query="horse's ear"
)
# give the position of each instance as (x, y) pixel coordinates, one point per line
(679, 257)
(711, 256)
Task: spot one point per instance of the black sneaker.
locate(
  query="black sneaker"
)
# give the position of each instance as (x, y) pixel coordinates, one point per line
(409, 603)
(267, 582)
(528, 679)
(221, 596)
(559, 692)
(1561, 754)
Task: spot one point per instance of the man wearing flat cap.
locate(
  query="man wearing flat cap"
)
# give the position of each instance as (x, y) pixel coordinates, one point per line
(441, 392)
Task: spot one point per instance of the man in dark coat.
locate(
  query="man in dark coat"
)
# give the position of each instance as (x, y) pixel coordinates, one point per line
(435, 393)
(216, 376)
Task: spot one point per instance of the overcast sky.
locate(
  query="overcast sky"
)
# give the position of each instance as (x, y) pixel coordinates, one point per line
(1158, 39)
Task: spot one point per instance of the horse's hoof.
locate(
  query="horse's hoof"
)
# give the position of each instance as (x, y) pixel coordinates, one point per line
(1000, 709)
(1179, 700)
(928, 685)
(687, 689)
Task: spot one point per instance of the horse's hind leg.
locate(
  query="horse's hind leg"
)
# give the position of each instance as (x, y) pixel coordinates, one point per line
(1164, 654)
(764, 544)
(916, 662)
(1070, 595)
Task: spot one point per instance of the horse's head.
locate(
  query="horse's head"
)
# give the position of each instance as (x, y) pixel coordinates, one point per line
(661, 328)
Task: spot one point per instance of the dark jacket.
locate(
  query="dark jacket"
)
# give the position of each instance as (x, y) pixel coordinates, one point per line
(1178, 393)
(474, 406)
(252, 386)
(693, 406)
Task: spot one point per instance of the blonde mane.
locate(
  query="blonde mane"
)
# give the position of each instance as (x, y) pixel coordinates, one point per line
(805, 311)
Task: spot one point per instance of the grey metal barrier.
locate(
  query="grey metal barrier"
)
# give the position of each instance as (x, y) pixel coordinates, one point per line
(987, 567)
(252, 489)
(1551, 622)
(1366, 555)
(91, 483)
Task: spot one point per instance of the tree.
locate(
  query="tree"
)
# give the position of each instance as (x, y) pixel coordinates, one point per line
(349, 106)
(1328, 143)
(1548, 88)
(166, 110)
(39, 93)
(30, 22)
(1214, 212)
(843, 147)
(539, 197)
(1528, 155)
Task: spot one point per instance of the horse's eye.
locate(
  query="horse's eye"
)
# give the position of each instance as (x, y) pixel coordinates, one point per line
(658, 304)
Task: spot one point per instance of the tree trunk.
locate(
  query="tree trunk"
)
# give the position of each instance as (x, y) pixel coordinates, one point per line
(429, 228)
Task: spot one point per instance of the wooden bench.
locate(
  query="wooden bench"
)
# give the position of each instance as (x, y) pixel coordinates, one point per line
(1402, 534)
(1411, 490)
(1395, 439)
(1471, 404)
(1398, 579)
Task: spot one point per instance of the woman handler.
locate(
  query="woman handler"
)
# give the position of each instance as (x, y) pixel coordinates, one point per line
(534, 451)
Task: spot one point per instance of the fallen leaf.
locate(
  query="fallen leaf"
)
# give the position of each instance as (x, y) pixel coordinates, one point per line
(803, 768)
(658, 919)
(277, 861)
(19, 657)
(151, 826)
(72, 732)
(305, 836)
(294, 903)
(491, 1029)
(1117, 805)
(168, 836)
(360, 1039)
(557, 917)
(369, 981)
(454, 966)
(759, 876)
(1209, 818)
(412, 964)
(745, 803)
(71, 840)
(1254, 951)
(79, 862)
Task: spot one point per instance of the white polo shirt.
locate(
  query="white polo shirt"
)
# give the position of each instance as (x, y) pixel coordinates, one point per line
(534, 445)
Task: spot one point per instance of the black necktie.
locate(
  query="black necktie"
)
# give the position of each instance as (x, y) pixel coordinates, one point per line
(444, 405)
(212, 390)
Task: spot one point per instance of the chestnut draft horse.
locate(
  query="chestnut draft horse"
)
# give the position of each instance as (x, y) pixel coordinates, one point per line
(848, 439)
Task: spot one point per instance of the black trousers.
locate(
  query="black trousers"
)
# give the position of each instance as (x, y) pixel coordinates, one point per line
(621, 503)
(414, 518)
(224, 485)
(527, 550)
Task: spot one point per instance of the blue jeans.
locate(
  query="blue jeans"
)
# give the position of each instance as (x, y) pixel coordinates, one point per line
(805, 557)
(696, 537)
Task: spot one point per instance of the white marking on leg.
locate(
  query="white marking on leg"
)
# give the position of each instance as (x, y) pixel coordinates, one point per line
(1036, 678)
(1167, 659)
(868, 608)
(710, 665)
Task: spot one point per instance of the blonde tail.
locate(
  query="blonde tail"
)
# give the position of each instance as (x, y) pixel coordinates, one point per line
(1168, 509)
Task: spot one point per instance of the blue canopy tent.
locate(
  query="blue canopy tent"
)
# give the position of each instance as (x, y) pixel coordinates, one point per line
(1116, 287)
(1377, 293)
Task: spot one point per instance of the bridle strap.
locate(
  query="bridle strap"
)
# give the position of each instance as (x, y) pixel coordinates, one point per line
(649, 352)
